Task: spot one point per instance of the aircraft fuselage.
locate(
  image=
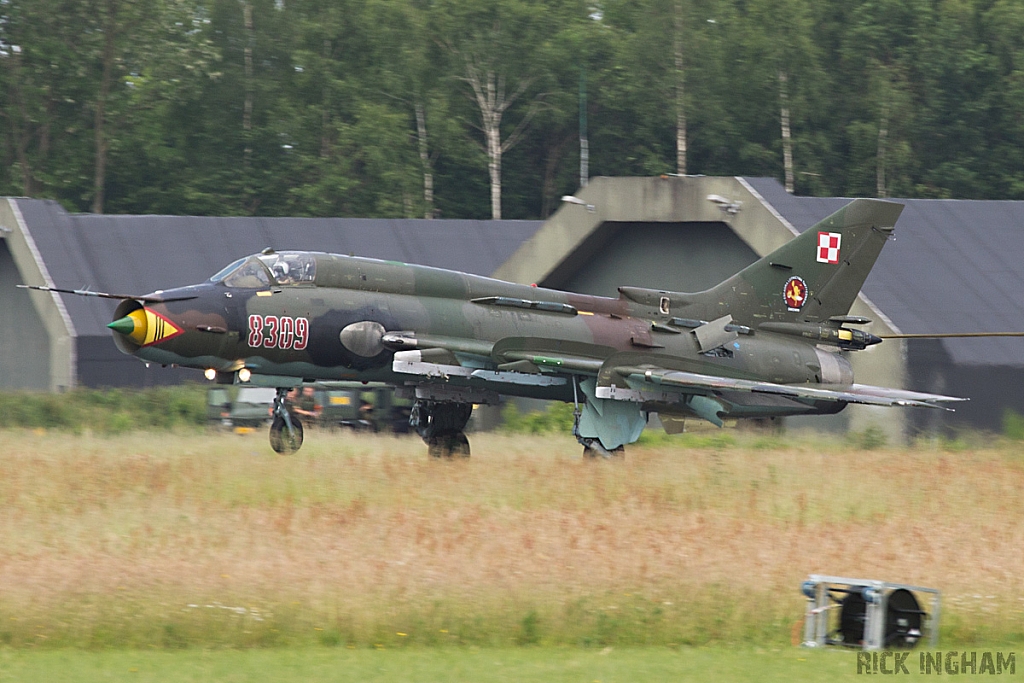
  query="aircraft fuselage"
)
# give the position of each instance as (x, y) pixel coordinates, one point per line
(297, 330)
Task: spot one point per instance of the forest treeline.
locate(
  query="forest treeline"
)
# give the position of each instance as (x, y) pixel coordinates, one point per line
(494, 108)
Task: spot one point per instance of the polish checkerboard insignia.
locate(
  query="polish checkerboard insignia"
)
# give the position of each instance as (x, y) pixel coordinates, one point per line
(828, 247)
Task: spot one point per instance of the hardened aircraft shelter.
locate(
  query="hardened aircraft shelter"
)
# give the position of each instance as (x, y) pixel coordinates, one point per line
(954, 266)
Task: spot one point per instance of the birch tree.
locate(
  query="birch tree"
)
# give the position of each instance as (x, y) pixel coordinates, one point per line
(407, 72)
(574, 61)
(493, 96)
(680, 85)
(787, 138)
(878, 52)
(493, 49)
(782, 31)
(656, 42)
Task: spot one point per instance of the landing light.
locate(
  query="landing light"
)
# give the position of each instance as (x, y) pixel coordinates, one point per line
(210, 374)
(244, 374)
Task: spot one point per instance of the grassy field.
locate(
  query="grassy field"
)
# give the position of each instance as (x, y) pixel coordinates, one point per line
(157, 540)
(450, 665)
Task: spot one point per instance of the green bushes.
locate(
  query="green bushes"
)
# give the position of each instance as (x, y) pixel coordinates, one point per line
(1013, 425)
(557, 418)
(107, 411)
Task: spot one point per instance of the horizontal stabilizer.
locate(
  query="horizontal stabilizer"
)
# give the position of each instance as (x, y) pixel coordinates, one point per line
(715, 333)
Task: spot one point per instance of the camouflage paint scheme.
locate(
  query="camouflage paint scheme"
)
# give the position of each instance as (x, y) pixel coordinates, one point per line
(454, 337)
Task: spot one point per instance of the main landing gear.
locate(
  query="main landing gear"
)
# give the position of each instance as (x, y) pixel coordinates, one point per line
(285, 430)
(592, 447)
(440, 426)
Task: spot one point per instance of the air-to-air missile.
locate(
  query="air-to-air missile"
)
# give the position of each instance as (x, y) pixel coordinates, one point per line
(766, 342)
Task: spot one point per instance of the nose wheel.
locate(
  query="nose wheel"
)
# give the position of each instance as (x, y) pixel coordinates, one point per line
(441, 426)
(286, 429)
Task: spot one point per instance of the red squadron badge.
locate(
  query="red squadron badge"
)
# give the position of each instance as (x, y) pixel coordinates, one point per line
(795, 293)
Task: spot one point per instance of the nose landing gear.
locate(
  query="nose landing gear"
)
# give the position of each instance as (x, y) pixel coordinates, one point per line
(285, 430)
(440, 426)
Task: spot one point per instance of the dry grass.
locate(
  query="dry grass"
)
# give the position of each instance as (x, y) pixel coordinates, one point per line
(169, 540)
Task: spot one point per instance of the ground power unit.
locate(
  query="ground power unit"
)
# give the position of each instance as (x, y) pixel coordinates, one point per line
(868, 614)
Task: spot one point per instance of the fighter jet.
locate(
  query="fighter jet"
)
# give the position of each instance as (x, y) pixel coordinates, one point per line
(769, 341)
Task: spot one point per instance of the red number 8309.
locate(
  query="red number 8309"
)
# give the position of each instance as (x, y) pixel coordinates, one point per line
(278, 332)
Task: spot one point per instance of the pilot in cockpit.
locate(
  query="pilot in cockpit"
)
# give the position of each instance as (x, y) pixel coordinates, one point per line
(282, 273)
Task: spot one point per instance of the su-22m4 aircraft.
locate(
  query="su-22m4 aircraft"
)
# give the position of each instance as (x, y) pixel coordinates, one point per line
(766, 342)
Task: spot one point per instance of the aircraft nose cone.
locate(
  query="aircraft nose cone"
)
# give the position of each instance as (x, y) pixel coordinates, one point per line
(123, 325)
(135, 326)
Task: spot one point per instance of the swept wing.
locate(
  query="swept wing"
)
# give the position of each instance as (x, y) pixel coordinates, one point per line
(662, 381)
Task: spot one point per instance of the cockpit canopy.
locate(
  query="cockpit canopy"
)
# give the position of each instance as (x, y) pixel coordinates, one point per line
(290, 267)
(276, 268)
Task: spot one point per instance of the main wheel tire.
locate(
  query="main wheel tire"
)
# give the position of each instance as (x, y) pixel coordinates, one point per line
(437, 447)
(283, 440)
(459, 445)
(591, 453)
(448, 446)
(431, 419)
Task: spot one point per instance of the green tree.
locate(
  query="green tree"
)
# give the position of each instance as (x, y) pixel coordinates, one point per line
(351, 148)
(781, 39)
(44, 83)
(409, 73)
(151, 152)
(958, 82)
(1004, 27)
(876, 119)
(637, 91)
(496, 49)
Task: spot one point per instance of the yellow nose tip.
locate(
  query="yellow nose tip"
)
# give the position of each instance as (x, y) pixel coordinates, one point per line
(145, 326)
(133, 325)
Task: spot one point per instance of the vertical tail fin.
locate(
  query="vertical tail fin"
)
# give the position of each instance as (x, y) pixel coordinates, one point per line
(816, 275)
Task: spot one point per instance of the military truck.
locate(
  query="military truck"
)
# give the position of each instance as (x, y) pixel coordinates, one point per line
(239, 406)
(349, 405)
(362, 407)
